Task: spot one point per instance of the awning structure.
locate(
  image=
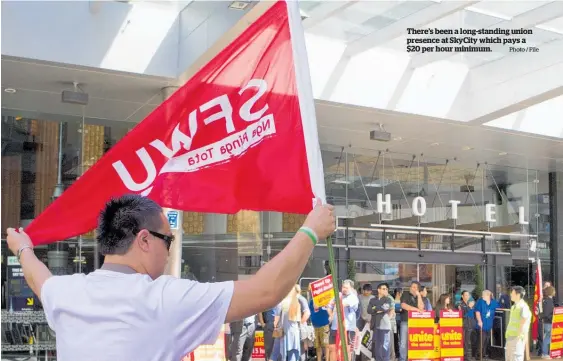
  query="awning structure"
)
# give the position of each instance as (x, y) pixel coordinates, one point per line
(358, 56)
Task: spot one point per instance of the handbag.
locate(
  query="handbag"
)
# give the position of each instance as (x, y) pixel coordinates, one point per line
(278, 330)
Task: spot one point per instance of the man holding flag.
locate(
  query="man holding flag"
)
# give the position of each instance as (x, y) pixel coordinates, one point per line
(240, 134)
(128, 311)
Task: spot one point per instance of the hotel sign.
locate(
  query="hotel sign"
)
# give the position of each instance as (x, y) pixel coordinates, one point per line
(418, 207)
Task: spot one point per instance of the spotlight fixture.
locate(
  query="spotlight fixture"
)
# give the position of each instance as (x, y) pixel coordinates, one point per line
(434, 144)
(380, 135)
(10, 90)
(239, 5)
(502, 153)
(398, 139)
(467, 148)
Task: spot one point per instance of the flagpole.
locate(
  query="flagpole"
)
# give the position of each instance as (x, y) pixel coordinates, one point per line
(338, 305)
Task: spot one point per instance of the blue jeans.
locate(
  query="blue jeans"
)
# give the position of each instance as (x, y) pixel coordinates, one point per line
(382, 345)
(546, 338)
(403, 342)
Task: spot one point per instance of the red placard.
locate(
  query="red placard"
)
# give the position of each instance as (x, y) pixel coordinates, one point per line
(556, 349)
(322, 291)
(421, 336)
(451, 335)
(259, 351)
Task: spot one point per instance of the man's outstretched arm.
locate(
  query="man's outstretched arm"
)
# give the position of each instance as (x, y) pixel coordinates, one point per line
(276, 278)
(34, 271)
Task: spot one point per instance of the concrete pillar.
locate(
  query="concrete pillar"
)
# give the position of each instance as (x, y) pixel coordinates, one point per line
(215, 261)
(556, 227)
(174, 266)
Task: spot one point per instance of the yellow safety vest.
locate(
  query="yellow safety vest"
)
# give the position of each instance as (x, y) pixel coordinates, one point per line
(513, 328)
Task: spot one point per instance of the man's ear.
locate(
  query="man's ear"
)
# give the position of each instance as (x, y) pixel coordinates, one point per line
(142, 240)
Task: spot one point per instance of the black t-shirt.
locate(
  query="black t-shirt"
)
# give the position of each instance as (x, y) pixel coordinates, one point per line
(410, 300)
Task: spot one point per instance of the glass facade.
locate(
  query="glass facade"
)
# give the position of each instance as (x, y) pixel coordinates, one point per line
(41, 154)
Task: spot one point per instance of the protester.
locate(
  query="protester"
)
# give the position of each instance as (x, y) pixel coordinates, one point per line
(320, 321)
(303, 328)
(410, 301)
(128, 310)
(425, 300)
(381, 308)
(484, 313)
(468, 315)
(398, 311)
(503, 297)
(266, 320)
(288, 316)
(393, 320)
(365, 297)
(242, 339)
(444, 304)
(546, 317)
(518, 326)
(350, 304)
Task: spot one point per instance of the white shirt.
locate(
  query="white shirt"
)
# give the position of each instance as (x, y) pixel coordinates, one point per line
(108, 315)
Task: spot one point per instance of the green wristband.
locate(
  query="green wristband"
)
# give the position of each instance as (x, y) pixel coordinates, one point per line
(309, 232)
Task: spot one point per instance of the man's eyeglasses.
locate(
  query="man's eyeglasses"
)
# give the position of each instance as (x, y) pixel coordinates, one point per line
(167, 239)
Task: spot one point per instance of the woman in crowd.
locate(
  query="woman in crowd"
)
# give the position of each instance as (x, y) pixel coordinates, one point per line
(444, 303)
(547, 317)
(288, 319)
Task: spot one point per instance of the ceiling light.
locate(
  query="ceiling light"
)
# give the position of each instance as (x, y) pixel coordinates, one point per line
(10, 90)
(341, 181)
(466, 148)
(238, 5)
(502, 153)
(434, 144)
(397, 138)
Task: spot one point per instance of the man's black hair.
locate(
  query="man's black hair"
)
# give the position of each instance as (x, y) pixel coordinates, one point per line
(464, 292)
(519, 290)
(382, 285)
(416, 283)
(367, 287)
(122, 218)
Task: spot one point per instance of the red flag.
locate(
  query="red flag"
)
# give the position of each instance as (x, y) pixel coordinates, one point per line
(240, 134)
(538, 294)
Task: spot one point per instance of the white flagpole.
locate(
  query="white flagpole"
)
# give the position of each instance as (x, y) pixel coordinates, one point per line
(306, 100)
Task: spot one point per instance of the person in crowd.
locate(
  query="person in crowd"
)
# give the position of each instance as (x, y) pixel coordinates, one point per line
(555, 297)
(457, 293)
(134, 235)
(546, 317)
(393, 320)
(444, 304)
(319, 319)
(484, 313)
(350, 304)
(503, 297)
(381, 308)
(425, 300)
(365, 297)
(518, 326)
(266, 321)
(410, 301)
(303, 329)
(398, 313)
(468, 315)
(540, 342)
(288, 317)
(242, 339)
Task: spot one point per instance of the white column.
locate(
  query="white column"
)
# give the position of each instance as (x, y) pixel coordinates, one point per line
(174, 266)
